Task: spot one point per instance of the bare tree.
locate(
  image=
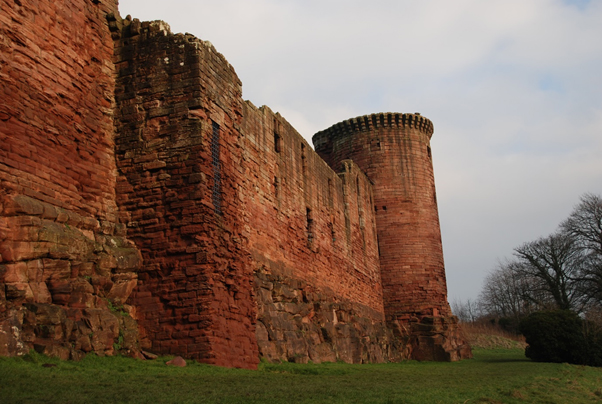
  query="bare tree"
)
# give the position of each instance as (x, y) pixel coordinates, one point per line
(466, 311)
(555, 266)
(505, 292)
(585, 223)
(585, 226)
(561, 271)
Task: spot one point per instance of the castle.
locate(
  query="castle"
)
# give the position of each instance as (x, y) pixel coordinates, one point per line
(145, 206)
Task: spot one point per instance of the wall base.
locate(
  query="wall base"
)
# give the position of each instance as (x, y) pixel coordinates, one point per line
(298, 323)
(437, 339)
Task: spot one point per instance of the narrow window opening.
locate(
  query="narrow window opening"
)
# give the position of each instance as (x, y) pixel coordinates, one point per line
(217, 175)
(332, 233)
(303, 159)
(277, 143)
(360, 213)
(310, 227)
(375, 144)
(384, 208)
(428, 151)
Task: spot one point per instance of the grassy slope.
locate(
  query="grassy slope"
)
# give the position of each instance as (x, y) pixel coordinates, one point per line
(487, 336)
(494, 376)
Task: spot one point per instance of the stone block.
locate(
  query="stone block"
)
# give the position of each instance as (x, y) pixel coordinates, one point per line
(15, 273)
(18, 291)
(22, 204)
(121, 290)
(40, 292)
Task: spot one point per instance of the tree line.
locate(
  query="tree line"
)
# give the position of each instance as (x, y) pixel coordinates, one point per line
(562, 271)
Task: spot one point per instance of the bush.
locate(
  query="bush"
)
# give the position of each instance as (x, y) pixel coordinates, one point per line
(555, 336)
(593, 339)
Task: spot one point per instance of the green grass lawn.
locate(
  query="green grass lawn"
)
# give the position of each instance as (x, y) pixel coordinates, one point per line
(494, 376)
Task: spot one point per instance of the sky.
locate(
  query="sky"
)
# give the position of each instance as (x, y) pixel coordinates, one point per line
(513, 87)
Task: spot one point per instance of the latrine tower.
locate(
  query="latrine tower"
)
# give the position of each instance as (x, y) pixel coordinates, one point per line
(394, 151)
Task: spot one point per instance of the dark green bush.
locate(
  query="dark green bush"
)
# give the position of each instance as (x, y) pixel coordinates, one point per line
(555, 336)
(593, 339)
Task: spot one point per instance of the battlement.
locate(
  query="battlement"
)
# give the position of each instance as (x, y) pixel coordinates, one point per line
(376, 121)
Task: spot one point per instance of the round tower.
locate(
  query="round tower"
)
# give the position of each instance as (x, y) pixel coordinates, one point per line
(394, 151)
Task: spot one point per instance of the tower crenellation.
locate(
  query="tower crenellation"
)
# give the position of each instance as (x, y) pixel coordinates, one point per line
(380, 120)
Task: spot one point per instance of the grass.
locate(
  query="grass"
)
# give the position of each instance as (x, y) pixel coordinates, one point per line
(494, 376)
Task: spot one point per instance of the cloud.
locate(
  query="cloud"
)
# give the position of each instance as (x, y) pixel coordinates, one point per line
(513, 87)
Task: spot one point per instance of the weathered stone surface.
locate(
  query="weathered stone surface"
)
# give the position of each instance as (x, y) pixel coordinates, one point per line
(143, 203)
(58, 222)
(12, 340)
(437, 339)
(178, 149)
(296, 323)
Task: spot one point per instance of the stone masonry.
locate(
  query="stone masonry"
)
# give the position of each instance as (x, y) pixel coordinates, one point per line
(144, 205)
(66, 266)
(178, 151)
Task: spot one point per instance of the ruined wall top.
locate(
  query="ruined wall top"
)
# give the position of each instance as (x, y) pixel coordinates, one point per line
(128, 28)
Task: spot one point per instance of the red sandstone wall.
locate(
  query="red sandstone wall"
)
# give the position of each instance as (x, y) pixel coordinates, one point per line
(195, 295)
(237, 218)
(337, 250)
(63, 255)
(56, 99)
(199, 259)
(313, 242)
(179, 188)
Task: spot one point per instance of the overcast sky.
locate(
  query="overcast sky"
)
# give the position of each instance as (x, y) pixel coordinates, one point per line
(513, 87)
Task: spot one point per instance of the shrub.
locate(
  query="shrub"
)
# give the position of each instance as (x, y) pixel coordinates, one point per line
(555, 336)
(593, 339)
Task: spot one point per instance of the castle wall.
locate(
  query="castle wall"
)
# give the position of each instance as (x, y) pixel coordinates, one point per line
(313, 242)
(143, 204)
(64, 258)
(305, 220)
(179, 189)
(211, 214)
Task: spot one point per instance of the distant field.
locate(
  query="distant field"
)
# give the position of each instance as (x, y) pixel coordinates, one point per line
(494, 376)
